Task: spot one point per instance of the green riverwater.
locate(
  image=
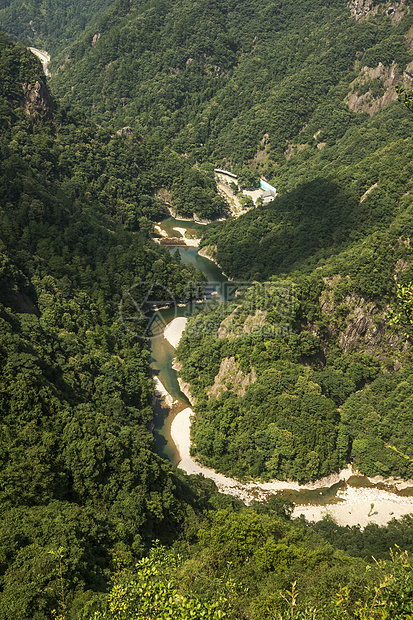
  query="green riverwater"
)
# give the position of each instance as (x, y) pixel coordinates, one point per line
(192, 228)
(162, 353)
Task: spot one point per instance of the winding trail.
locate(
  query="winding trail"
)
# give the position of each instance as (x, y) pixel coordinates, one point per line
(350, 506)
(44, 58)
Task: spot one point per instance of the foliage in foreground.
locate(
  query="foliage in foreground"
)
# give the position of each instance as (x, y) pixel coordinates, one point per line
(149, 592)
(152, 591)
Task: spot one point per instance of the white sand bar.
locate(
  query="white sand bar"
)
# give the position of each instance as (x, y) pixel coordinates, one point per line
(181, 231)
(191, 242)
(174, 330)
(162, 393)
(180, 433)
(160, 231)
(356, 507)
(353, 510)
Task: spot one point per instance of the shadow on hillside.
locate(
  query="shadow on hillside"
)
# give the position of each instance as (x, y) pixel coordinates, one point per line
(293, 231)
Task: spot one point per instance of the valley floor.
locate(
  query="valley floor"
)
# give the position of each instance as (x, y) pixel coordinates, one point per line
(350, 505)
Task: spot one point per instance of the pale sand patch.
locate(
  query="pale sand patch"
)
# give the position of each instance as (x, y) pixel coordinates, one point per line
(254, 194)
(162, 392)
(180, 433)
(160, 230)
(181, 231)
(174, 330)
(355, 508)
(191, 242)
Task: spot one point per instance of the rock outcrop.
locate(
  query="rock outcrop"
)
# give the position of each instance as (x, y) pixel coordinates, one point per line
(374, 88)
(231, 378)
(37, 100)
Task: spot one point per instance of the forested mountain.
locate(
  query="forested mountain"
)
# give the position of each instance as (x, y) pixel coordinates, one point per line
(79, 468)
(238, 80)
(49, 24)
(309, 371)
(338, 239)
(304, 375)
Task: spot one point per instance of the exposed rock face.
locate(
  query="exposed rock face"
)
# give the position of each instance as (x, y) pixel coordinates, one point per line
(231, 378)
(209, 251)
(365, 326)
(164, 195)
(200, 220)
(186, 389)
(66, 62)
(361, 101)
(366, 193)
(37, 100)
(293, 149)
(363, 9)
(408, 37)
(125, 131)
(176, 365)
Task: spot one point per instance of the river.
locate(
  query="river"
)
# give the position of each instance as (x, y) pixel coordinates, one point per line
(162, 352)
(347, 496)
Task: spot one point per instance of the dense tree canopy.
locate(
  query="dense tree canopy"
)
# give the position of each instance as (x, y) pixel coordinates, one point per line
(292, 380)
(79, 468)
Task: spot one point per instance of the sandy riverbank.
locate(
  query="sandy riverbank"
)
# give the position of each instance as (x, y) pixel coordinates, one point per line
(162, 393)
(190, 242)
(356, 506)
(174, 330)
(160, 231)
(194, 243)
(208, 253)
(351, 506)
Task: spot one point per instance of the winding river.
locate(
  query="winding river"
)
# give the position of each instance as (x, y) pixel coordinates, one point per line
(350, 498)
(162, 352)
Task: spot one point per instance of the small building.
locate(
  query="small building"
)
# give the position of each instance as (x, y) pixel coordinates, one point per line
(267, 196)
(264, 185)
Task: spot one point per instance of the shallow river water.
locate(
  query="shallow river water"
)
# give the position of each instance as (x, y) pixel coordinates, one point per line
(162, 353)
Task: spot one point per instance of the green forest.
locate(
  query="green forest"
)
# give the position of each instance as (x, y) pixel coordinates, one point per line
(307, 369)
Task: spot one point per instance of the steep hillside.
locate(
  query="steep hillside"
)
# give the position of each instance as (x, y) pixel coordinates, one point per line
(50, 25)
(239, 81)
(78, 468)
(344, 219)
(306, 370)
(304, 375)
